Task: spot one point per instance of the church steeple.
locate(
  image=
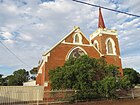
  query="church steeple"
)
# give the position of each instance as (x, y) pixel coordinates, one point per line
(101, 20)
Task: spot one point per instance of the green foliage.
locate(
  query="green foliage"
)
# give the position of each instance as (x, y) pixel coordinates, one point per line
(93, 78)
(125, 83)
(1, 79)
(11, 80)
(33, 73)
(34, 70)
(1, 75)
(16, 79)
(78, 73)
(132, 75)
(108, 87)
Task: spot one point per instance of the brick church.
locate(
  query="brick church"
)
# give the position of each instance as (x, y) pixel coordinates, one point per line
(102, 43)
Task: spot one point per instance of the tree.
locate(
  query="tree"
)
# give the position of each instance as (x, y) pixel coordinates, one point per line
(1, 79)
(132, 75)
(109, 86)
(11, 80)
(18, 78)
(34, 72)
(78, 73)
(125, 83)
(92, 77)
(1, 75)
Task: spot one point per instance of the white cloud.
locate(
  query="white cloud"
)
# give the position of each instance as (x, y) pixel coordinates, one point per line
(132, 62)
(25, 38)
(9, 41)
(7, 35)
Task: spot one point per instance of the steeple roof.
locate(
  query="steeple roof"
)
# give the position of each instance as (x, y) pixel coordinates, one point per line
(101, 20)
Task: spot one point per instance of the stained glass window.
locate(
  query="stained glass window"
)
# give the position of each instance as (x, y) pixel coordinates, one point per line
(76, 53)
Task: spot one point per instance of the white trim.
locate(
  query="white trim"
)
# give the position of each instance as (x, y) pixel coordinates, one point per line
(63, 41)
(74, 29)
(100, 34)
(72, 49)
(80, 38)
(84, 36)
(76, 44)
(96, 42)
(103, 31)
(113, 46)
(40, 69)
(91, 45)
(45, 58)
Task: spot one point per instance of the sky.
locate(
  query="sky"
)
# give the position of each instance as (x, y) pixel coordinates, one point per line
(30, 27)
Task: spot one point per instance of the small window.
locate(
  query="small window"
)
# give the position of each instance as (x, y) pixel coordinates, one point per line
(95, 43)
(110, 46)
(76, 38)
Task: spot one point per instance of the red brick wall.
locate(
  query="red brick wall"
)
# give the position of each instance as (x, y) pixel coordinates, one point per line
(102, 43)
(111, 59)
(115, 60)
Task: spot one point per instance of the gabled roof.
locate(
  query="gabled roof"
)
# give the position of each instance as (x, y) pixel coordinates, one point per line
(73, 30)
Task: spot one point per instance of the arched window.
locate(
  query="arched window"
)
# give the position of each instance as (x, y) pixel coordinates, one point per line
(95, 43)
(76, 38)
(110, 46)
(76, 52)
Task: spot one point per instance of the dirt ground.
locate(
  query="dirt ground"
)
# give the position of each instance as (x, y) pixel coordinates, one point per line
(109, 102)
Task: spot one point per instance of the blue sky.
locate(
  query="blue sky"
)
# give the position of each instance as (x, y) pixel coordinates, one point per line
(30, 27)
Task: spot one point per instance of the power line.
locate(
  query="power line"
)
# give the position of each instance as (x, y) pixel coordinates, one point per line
(107, 8)
(14, 54)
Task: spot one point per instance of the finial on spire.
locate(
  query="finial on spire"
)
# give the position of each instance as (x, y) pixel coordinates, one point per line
(101, 20)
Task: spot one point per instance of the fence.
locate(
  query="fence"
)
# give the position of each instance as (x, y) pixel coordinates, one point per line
(32, 95)
(58, 96)
(20, 94)
(133, 93)
(35, 95)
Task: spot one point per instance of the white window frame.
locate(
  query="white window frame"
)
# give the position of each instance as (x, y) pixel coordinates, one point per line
(80, 38)
(113, 46)
(96, 42)
(71, 50)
